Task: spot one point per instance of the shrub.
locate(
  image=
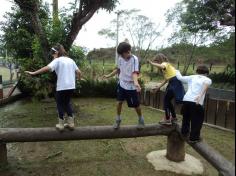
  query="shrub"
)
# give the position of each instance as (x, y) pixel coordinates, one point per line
(228, 76)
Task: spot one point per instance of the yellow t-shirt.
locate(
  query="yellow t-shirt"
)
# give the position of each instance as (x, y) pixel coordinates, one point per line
(169, 71)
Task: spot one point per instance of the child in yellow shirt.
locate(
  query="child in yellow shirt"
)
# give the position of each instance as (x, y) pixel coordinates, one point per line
(174, 88)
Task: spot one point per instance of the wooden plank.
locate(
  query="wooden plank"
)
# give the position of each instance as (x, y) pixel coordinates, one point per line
(158, 99)
(221, 113)
(162, 95)
(211, 111)
(230, 120)
(147, 98)
(152, 99)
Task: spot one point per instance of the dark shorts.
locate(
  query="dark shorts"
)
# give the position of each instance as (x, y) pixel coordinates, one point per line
(131, 97)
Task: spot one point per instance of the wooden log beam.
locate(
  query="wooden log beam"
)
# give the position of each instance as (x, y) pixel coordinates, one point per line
(3, 153)
(224, 167)
(80, 133)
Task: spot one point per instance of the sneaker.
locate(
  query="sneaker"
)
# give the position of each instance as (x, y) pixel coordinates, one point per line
(60, 125)
(165, 122)
(70, 123)
(117, 124)
(141, 124)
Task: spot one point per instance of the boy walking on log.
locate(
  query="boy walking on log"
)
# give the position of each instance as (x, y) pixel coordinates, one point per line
(128, 87)
(192, 109)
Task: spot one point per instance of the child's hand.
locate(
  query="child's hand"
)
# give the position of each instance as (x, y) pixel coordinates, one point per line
(105, 77)
(150, 62)
(30, 73)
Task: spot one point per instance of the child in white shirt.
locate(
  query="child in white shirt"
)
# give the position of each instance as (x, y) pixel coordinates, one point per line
(192, 109)
(128, 87)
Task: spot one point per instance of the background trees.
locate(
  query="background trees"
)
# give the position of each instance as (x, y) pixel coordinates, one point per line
(200, 22)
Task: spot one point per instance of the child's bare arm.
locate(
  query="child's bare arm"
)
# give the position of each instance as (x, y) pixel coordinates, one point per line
(114, 72)
(39, 71)
(156, 64)
(162, 84)
(135, 78)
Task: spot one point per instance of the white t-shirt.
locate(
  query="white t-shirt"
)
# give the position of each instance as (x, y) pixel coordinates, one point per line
(65, 69)
(127, 68)
(195, 86)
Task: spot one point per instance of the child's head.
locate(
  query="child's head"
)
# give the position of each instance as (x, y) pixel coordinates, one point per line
(58, 51)
(124, 49)
(202, 70)
(159, 58)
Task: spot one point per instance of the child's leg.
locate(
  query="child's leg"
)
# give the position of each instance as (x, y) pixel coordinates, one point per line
(119, 109)
(168, 106)
(140, 117)
(186, 109)
(60, 109)
(196, 122)
(60, 104)
(67, 103)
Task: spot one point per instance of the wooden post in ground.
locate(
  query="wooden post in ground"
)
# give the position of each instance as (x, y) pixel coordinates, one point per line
(175, 147)
(3, 153)
(1, 88)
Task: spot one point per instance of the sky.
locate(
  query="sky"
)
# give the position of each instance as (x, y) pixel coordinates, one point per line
(88, 37)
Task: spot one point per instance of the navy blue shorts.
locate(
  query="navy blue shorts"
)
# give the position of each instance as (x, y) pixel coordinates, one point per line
(131, 97)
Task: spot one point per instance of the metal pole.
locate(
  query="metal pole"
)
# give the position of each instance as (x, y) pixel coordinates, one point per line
(117, 36)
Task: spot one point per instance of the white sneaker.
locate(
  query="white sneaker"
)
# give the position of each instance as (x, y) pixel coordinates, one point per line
(70, 123)
(60, 125)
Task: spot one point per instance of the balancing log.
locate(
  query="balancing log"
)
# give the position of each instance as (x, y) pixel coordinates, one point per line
(224, 167)
(80, 133)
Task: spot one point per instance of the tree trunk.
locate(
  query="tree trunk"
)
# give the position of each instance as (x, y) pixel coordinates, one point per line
(55, 10)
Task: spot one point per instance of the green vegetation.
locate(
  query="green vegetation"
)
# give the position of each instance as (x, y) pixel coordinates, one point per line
(94, 157)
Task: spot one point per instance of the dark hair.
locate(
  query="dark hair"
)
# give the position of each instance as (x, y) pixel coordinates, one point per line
(202, 69)
(123, 47)
(160, 58)
(58, 48)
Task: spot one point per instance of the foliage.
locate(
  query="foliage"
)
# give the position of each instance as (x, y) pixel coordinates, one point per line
(192, 29)
(206, 15)
(222, 52)
(95, 88)
(228, 76)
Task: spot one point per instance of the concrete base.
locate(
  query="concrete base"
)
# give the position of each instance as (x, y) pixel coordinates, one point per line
(191, 165)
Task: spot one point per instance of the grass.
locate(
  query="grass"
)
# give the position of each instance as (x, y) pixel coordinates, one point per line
(93, 157)
(6, 73)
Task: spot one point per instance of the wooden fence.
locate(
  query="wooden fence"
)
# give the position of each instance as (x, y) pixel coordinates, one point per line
(218, 112)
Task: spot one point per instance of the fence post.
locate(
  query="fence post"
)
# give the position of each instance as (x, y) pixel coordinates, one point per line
(3, 153)
(1, 88)
(175, 147)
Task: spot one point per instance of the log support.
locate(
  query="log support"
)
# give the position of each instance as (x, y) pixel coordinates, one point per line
(175, 147)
